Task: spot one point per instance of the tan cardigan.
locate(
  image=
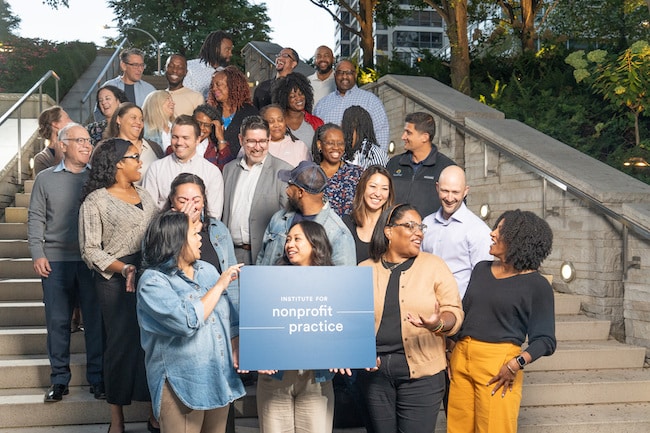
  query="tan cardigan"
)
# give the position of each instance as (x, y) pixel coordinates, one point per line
(428, 280)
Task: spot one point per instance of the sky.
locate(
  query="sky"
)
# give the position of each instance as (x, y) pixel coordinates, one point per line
(294, 23)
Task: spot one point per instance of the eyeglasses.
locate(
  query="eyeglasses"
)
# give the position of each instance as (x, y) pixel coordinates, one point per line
(136, 65)
(284, 56)
(333, 144)
(135, 156)
(411, 225)
(80, 141)
(252, 143)
(204, 124)
(348, 73)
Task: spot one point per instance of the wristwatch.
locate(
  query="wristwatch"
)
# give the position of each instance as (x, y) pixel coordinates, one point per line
(521, 361)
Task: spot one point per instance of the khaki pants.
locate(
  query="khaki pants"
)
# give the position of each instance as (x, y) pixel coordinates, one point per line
(175, 417)
(297, 403)
(472, 408)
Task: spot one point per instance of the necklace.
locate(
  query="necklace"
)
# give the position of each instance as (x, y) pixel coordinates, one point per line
(390, 265)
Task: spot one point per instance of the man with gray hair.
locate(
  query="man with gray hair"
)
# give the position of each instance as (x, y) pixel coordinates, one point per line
(53, 239)
(132, 67)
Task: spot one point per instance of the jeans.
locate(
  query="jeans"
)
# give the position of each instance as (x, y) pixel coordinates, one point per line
(397, 403)
(67, 281)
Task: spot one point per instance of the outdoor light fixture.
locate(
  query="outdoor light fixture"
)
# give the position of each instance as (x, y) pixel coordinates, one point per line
(484, 211)
(636, 162)
(155, 41)
(391, 147)
(567, 272)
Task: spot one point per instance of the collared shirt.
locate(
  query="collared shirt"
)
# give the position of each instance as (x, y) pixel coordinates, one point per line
(241, 206)
(199, 76)
(192, 354)
(322, 88)
(461, 241)
(332, 106)
(159, 176)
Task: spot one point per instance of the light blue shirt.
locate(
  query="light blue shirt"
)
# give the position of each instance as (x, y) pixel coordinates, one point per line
(461, 241)
(192, 354)
(332, 106)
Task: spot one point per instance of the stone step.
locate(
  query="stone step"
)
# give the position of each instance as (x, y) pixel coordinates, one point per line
(567, 304)
(15, 214)
(13, 230)
(22, 199)
(22, 314)
(590, 355)
(21, 289)
(33, 371)
(17, 268)
(580, 327)
(33, 341)
(14, 249)
(586, 387)
(28, 185)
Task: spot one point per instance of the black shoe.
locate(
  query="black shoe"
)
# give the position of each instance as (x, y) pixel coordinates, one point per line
(56, 392)
(151, 428)
(98, 390)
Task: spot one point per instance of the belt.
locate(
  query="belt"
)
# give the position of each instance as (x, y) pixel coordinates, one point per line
(246, 247)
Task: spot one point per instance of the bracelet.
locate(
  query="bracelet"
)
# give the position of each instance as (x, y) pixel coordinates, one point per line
(223, 142)
(514, 373)
(125, 269)
(440, 326)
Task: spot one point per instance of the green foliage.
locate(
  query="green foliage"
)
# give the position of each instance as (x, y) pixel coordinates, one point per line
(8, 21)
(181, 26)
(30, 59)
(54, 4)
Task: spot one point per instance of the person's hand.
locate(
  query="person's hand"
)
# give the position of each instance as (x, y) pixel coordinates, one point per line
(503, 380)
(269, 372)
(450, 344)
(191, 211)
(235, 352)
(42, 267)
(343, 371)
(219, 133)
(230, 274)
(129, 274)
(430, 322)
(376, 367)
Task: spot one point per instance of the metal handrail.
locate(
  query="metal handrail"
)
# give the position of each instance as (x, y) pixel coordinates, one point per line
(101, 78)
(18, 107)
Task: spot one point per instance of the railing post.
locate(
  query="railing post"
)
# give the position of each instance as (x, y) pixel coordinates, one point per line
(20, 141)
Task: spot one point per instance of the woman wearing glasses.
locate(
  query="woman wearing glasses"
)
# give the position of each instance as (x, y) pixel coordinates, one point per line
(416, 305)
(113, 218)
(329, 150)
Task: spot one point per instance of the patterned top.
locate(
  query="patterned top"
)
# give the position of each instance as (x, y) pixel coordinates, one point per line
(340, 188)
(96, 131)
(369, 154)
(110, 228)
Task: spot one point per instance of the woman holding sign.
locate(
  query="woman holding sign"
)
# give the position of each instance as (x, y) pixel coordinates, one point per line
(184, 316)
(416, 305)
(299, 400)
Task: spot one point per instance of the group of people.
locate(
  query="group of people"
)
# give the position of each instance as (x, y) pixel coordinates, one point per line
(150, 247)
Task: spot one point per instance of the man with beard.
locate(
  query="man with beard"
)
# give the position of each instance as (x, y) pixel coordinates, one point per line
(185, 99)
(285, 62)
(322, 81)
(215, 55)
(253, 191)
(306, 184)
(347, 94)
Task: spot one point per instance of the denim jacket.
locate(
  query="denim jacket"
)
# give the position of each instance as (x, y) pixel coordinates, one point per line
(193, 355)
(222, 243)
(344, 252)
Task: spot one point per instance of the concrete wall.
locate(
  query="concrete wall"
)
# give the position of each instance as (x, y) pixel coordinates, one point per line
(587, 203)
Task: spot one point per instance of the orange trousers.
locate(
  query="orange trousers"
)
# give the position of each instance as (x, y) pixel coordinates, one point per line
(472, 407)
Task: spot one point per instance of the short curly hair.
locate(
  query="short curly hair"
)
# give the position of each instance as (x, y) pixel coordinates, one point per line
(528, 239)
(283, 87)
(239, 93)
(103, 164)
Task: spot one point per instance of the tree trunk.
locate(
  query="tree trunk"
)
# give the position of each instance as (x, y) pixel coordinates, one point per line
(528, 12)
(459, 43)
(367, 37)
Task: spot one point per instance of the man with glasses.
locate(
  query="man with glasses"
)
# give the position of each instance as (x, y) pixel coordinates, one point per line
(136, 89)
(253, 192)
(347, 94)
(184, 159)
(53, 239)
(285, 62)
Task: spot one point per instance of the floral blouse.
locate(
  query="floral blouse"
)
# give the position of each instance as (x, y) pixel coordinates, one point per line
(341, 187)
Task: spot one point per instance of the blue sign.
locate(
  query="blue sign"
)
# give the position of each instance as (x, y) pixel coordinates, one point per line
(306, 317)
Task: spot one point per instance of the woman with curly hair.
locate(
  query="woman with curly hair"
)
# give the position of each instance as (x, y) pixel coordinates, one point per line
(359, 133)
(158, 111)
(230, 93)
(330, 151)
(506, 303)
(113, 218)
(294, 94)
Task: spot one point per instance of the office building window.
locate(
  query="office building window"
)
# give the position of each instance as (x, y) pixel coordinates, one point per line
(405, 39)
(382, 42)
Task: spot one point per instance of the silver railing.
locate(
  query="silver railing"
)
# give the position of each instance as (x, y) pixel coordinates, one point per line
(17, 108)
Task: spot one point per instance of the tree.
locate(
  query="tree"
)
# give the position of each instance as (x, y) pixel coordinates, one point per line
(54, 4)
(365, 13)
(181, 26)
(8, 21)
(623, 80)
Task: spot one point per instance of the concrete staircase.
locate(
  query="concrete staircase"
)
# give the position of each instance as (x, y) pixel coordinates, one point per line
(591, 384)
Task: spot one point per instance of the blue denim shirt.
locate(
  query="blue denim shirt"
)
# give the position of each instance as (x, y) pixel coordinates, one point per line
(193, 355)
(344, 252)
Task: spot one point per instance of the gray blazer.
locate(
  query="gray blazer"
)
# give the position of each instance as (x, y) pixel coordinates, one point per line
(270, 196)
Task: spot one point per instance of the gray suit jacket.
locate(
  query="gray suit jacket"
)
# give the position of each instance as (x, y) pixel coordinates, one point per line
(270, 196)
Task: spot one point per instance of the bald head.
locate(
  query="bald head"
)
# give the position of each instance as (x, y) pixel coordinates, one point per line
(452, 189)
